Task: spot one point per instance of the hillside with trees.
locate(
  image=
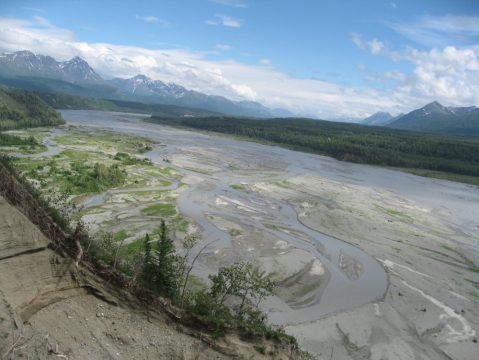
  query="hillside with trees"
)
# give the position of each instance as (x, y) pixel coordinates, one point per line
(436, 118)
(23, 109)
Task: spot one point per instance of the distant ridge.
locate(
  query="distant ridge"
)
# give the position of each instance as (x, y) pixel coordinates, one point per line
(437, 118)
(379, 118)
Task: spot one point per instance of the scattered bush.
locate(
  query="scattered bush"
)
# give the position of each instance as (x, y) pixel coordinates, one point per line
(82, 179)
(127, 159)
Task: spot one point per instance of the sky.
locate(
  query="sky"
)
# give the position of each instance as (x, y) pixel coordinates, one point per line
(342, 59)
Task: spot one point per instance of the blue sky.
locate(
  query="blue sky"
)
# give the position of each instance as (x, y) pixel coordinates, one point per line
(328, 59)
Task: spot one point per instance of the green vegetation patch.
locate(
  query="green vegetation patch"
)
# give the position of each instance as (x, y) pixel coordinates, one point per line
(467, 179)
(284, 184)
(127, 159)
(393, 212)
(147, 174)
(120, 235)
(84, 179)
(10, 143)
(70, 173)
(161, 210)
(238, 187)
(167, 171)
(24, 150)
(474, 294)
(234, 232)
(197, 170)
(134, 247)
(179, 223)
(106, 141)
(23, 109)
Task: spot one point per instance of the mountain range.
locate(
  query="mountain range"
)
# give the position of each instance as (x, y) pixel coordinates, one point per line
(26, 63)
(434, 118)
(30, 71)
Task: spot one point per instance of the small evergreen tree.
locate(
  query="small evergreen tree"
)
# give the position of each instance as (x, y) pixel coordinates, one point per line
(148, 271)
(166, 271)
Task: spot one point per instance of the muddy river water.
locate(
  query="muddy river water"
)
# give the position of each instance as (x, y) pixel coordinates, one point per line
(354, 277)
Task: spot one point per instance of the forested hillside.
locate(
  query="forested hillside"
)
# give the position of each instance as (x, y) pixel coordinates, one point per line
(22, 109)
(67, 101)
(436, 118)
(351, 142)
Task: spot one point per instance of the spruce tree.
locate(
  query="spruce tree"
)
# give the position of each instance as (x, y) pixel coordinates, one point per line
(148, 271)
(166, 276)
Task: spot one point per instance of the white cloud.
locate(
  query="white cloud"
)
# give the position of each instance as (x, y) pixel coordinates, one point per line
(224, 47)
(452, 24)
(394, 75)
(357, 39)
(152, 19)
(375, 46)
(449, 74)
(40, 20)
(232, 3)
(439, 31)
(245, 91)
(224, 20)
(265, 61)
(34, 9)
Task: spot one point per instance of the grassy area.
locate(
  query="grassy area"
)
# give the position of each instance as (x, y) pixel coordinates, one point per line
(234, 232)
(393, 212)
(85, 172)
(197, 170)
(238, 187)
(120, 235)
(20, 142)
(284, 184)
(473, 180)
(69, 172)
(23, 149)
(160, 210)
(179, 223)
(105, 141)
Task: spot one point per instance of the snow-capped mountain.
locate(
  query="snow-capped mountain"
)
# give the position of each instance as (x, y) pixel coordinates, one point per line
(79, 71)
(435, 117)
(141, 85)
(26, 63)
(144, 88)
(29, 71)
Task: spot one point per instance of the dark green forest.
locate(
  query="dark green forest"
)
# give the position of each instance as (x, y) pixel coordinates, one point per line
(12, 140)
(22, 109)
(350, 142)
(67, 101)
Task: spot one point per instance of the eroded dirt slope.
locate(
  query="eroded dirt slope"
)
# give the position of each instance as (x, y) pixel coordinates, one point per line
(47, 309)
